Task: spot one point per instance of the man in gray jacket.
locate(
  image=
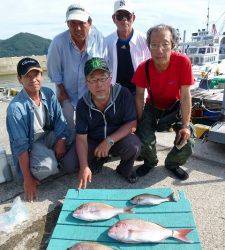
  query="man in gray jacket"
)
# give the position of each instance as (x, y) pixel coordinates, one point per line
(106, 120)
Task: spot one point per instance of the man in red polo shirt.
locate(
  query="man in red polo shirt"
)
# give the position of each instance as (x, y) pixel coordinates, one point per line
(170, 75)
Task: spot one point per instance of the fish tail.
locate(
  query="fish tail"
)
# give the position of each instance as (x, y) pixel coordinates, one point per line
(181, 235)
(128, 210)
(172, 198)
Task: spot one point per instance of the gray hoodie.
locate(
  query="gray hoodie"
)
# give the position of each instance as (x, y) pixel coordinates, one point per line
(98, 125)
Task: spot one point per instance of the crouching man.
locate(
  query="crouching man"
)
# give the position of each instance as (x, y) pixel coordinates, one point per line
(37, 130)
(106, 120)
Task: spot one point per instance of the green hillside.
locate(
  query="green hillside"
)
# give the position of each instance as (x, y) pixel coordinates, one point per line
(24, 44)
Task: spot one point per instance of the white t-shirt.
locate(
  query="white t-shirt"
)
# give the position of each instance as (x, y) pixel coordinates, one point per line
(39, 120)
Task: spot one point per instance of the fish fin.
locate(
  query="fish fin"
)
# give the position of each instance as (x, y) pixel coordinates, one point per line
(129, 209)
(172, 198)
(181, 235)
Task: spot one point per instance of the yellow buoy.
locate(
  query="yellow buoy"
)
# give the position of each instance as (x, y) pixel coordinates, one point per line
(200, 129)
(13, 92)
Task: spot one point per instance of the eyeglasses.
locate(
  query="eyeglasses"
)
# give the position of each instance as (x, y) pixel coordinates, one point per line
(164, 46)
(101, 80)
(121, 16)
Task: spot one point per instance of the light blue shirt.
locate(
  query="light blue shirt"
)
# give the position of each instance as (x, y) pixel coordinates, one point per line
(65, 62)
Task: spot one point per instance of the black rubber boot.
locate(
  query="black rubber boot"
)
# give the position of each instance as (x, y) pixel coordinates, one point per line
(143, 170)
(179, 173)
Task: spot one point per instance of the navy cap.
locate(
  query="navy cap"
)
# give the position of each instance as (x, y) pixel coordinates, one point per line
(27, 64)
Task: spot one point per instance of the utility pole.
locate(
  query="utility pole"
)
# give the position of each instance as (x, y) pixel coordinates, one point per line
(184, 36)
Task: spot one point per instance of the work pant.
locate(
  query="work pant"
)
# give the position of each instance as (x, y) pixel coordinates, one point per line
(43, 162)
(127, 149)
(69, 113)
(146, 132)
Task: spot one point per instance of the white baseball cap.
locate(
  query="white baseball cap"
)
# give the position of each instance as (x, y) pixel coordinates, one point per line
(77, 12)
(123, 5)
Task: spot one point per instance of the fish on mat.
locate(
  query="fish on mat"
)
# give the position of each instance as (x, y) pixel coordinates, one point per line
(151, 199)
(89, 246)
(94, 211)
(140, 231)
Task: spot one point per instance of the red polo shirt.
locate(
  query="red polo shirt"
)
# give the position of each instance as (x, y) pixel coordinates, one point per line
(165, 85)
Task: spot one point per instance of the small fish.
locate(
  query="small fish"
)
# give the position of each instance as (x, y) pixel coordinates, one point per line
(140, 231)
(151, 199)
(98, 211)
(89, 246)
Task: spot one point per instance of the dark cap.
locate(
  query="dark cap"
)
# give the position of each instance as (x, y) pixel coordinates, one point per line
(94, 64)
(27, 64)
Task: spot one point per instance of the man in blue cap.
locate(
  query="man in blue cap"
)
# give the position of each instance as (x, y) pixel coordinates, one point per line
(38, 132)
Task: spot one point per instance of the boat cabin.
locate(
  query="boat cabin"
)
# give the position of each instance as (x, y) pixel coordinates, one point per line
(203, 48)
(200, 55)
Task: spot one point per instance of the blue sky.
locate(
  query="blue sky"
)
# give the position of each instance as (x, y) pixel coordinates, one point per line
(47, 17)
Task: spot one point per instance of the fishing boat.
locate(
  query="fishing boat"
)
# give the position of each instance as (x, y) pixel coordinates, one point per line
(206, 47)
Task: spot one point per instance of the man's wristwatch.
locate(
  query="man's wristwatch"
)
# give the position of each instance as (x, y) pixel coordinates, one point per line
(186, 126)
(110, 141)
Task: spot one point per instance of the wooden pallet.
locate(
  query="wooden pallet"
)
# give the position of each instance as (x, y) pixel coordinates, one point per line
(174, 215)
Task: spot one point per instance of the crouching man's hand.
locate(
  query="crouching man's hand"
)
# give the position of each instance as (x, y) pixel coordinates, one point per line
(30, 188)
(183, 134)
(102, 150)
(60, 148)
(85, 175)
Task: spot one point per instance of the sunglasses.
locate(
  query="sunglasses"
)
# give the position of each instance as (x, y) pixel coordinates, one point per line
(121, 16)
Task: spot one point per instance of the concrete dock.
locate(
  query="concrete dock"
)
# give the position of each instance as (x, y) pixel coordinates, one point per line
(205, 189)
(8, 64)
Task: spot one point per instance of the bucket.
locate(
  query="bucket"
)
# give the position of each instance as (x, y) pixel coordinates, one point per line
(5, 171)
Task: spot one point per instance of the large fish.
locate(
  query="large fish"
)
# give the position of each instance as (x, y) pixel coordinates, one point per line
(89, 246)
(98, 211)
(140, 231)
(151, 199)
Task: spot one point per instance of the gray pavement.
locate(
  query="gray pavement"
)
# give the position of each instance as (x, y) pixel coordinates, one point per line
(205, 189)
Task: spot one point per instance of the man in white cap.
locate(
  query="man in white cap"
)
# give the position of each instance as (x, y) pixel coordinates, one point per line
(127, 47)
(67, 55)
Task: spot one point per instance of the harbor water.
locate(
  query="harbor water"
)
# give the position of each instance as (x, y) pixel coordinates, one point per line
(11, 81)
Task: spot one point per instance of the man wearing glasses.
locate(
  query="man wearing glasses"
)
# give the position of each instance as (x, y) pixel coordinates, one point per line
(170, 78)
(67, 55)
(126, 47)
(106, 120)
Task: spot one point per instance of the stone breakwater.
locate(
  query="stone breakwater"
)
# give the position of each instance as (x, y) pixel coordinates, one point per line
(8, 64)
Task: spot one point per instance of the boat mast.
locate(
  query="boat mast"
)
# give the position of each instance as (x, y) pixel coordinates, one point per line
(207, 24)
